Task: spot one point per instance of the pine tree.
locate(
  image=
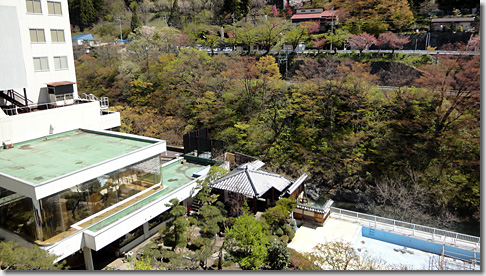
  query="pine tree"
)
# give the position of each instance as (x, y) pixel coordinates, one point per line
(136, 22)
(82, 13)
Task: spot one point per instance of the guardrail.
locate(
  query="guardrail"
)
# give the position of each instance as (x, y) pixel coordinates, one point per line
(418, 231)
(32, 107)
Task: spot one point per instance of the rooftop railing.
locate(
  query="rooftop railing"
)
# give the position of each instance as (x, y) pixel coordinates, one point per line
(104, 104)
(415, 230)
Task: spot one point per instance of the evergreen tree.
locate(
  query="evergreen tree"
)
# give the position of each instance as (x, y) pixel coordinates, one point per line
(136, 22)
(278, 255)
(82, 13)
(174, 19)
(16, 257)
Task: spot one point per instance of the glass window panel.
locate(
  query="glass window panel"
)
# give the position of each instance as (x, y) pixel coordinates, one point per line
(17, 214)
(30, 6)
(52, 216)
(60, 63)
(37, 64)
(54, 35)
(91, 197)
(60, 36)
(41, 36)
(58, 9)
(50, 7)
(57, 35)
(37, 6)
(33, 35)
(57, 63)
(64, 63)
(44, 64)
(37, 35)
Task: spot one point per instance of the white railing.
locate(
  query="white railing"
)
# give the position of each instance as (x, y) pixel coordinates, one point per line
(405, 228)
(104, 102)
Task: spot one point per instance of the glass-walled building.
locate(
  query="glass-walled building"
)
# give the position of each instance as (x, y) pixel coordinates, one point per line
(70, 206)
(46, 193)
(17, 214)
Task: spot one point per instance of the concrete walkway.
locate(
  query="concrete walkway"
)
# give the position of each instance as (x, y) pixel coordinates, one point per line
(309, 235)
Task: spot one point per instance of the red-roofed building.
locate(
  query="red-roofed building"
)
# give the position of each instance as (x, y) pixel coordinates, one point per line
(325, 18)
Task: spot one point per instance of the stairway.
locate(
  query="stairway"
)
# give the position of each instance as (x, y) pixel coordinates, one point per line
(15, 98)
(196, 205)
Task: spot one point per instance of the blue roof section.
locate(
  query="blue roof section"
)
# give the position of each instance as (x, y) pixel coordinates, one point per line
(84, 37)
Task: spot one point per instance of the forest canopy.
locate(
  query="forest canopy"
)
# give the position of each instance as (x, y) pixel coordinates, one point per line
(411, 152)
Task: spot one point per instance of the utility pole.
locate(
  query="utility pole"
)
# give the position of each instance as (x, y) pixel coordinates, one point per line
(332, 23)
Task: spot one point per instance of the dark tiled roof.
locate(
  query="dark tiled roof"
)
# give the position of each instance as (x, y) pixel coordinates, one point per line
(252, 182)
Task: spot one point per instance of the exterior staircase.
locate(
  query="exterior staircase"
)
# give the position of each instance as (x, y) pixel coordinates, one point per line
(15, 98)
(196, 205)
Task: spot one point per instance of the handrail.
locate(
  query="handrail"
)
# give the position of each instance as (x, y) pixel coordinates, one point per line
(18, 97)
(320, 210)
(311, 208)
(104, 104)
(437, 234)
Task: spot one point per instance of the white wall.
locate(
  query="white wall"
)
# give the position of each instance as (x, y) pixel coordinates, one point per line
(66, 247)
(12, 71)
(27, 126)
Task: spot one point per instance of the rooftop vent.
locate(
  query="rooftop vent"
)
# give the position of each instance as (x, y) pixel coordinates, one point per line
(7, 144)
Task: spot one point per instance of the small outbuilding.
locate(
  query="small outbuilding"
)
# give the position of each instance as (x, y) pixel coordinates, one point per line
(257, 185)
(84, 39)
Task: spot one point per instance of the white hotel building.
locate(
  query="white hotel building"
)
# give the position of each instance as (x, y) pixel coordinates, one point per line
(67, 183)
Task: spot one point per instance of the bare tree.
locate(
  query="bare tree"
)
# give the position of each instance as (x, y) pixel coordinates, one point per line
(340, 255)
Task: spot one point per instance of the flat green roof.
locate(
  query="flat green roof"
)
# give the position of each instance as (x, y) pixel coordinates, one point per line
(174, 176)
(46, 158)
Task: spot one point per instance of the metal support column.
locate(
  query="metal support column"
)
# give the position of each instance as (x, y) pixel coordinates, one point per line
(38, 219)
(88, 258)
(146, 234)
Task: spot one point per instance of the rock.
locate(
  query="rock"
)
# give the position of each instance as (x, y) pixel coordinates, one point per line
(347, 195)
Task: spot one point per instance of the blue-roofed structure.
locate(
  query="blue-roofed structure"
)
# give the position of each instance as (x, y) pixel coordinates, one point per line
(84, 36)
(84, 39)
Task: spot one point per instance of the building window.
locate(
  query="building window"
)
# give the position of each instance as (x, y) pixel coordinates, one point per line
(33, 6)
(60, 63)
(41, 64)
(17, 214)
(57, 36)
(37, 36)
(54, 8)
(61, 210)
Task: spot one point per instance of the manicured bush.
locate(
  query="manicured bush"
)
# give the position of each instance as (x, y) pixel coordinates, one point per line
(284, 238)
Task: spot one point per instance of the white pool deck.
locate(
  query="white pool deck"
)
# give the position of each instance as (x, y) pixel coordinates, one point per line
(309, 235)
